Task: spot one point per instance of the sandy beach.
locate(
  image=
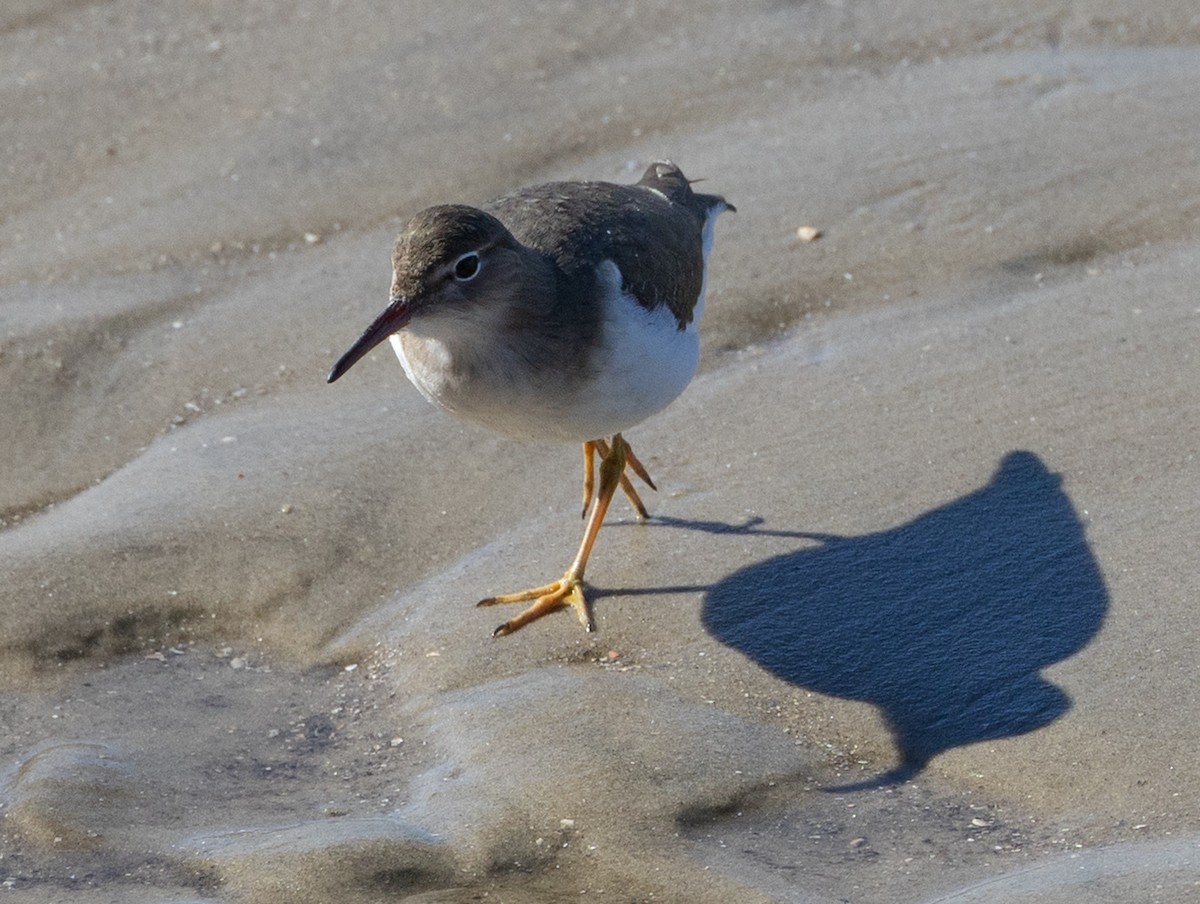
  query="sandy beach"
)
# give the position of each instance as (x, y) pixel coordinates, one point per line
(914, 619)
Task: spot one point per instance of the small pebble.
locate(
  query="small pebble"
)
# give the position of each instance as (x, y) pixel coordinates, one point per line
(808, 233)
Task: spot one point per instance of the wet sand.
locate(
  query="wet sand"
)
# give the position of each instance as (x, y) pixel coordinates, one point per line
(914, 619)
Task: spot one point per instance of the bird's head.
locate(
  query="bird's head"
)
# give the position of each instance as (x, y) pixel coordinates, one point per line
(449, 260)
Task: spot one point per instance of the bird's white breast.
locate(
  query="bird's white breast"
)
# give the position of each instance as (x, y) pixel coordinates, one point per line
(642, 361)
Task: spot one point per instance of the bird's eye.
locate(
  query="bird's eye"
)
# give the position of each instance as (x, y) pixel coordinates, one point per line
(466, 267)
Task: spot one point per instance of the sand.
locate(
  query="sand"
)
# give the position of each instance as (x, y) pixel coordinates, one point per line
(914, 620)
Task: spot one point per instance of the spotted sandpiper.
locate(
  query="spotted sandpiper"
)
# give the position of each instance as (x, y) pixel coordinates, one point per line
(565, 311)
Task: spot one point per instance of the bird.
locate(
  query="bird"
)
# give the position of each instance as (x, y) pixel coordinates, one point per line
(561, 312)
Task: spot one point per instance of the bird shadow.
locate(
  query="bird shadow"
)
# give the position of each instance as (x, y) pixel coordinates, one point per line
(944, 623)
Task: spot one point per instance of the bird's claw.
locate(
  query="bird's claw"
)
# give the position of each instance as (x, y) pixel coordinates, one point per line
(568, 591)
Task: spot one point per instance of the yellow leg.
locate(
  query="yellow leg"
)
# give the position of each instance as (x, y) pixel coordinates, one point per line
(589, 450)
(568, 590)
(626, 484)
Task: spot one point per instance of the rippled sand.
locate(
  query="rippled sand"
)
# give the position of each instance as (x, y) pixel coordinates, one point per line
(915, 620)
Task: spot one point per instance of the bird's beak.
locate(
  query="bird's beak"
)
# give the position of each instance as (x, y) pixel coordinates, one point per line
(393, 319)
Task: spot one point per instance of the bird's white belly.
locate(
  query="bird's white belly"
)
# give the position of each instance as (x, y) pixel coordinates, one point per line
(645, 362)
(642, 363)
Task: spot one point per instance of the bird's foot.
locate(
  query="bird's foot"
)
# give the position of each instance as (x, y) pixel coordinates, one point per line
(603, 449)
(567, 591)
